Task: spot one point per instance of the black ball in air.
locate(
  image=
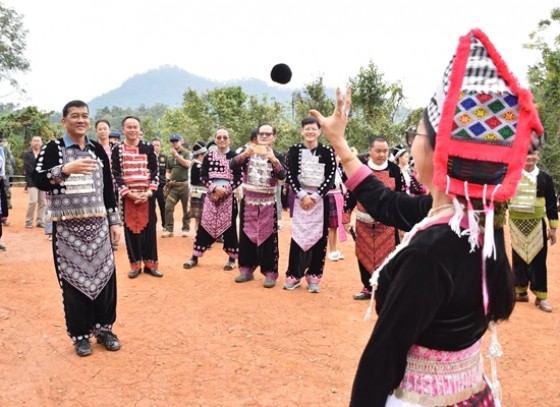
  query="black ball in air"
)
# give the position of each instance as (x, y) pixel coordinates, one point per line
(281, 73)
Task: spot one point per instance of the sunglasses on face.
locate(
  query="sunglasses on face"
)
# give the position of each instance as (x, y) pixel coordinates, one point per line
(222, 137)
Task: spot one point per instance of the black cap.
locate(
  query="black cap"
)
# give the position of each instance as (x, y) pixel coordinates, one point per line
(281, 73)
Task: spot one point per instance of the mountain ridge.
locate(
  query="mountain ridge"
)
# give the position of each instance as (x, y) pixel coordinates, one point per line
(167, 84)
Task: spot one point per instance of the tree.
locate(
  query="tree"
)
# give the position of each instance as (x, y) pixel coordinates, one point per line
(21, 125)
(12, 45)
(376, 109)
(544, 79)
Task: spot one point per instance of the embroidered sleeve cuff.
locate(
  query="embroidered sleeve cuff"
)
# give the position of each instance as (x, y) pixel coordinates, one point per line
(357, 178)
(316, 197)
(113, 216)
(124, 191)
(57, 175)
(211, 187)
(301, 194)
(553, 223)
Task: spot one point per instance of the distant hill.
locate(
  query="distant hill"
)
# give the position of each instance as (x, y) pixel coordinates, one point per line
(167, 84)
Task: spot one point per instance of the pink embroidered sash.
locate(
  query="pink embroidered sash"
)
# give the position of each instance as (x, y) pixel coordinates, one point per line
(258, 222)
(339, 200)
(216, 216)
(441, 378)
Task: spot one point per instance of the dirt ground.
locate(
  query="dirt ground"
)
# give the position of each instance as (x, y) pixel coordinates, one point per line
(196, 338)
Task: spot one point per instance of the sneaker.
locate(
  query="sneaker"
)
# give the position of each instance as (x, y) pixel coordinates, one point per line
(291, 284)
(2, 248)
(243, 278)
(270, 280)
(313, 287)
(167, 233)
(40, 225)
(340, 255)
(28, 226)
(230, 265)
(82, 347)
(333, 256)
(109, 340)
(543, 305)
(184, 233)
(523, 297)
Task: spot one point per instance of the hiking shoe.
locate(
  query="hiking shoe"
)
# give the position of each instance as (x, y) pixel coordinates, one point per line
(544, 305)
(229, 265)
(166, 233)
(82, 347)
(313, 287)
(109, 340)
(291, 285)
(190, 264)
(243, 278)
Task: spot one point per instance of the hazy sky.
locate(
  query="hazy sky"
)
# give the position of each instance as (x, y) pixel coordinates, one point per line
(79, 50)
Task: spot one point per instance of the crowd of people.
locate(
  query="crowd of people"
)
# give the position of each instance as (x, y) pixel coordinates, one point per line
(428, 229)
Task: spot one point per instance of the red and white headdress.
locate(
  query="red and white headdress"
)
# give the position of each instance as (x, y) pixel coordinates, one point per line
(484, 125)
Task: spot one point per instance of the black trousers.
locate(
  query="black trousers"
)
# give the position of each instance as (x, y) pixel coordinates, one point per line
(161, 204)
(84, 316)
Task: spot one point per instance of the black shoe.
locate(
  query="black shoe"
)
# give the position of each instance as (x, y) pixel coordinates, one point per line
(229, 265)
(134, 273)
(82, 347)
(109, 340)
(153, 272)
(362, 296)
(190, 264)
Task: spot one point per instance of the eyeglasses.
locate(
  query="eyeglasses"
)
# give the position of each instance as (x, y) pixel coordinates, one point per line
(265, 134)
(411, 135)
(222, 137)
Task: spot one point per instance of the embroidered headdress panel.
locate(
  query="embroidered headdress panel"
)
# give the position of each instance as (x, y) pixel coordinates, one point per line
(484, 122)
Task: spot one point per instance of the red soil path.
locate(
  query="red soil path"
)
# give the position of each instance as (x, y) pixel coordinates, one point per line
(196, 338)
